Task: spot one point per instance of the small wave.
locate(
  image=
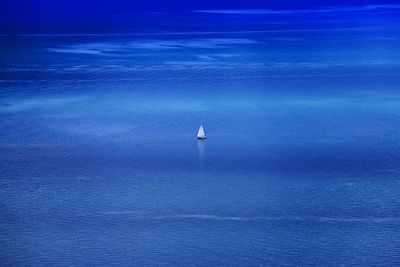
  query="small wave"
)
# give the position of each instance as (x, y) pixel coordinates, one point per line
(143, 216)
(39, 35)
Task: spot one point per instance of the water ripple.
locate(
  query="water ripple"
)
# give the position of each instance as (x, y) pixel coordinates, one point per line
(141, 216)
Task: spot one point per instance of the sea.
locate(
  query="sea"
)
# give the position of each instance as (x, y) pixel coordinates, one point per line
(100, 165)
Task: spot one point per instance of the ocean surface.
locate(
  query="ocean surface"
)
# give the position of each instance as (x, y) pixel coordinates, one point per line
(100, 165)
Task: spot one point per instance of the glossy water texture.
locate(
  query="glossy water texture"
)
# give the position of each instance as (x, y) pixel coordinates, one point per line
(100, 164)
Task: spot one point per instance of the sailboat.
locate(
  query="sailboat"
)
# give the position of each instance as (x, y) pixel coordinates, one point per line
(201, 134)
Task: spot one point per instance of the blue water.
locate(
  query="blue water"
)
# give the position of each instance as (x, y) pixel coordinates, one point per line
(100, 164)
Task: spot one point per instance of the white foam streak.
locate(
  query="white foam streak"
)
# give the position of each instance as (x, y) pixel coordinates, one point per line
(214, 217)
(192, 32)
(330, 9)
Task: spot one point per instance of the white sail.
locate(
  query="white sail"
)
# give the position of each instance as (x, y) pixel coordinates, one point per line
(201, 134)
